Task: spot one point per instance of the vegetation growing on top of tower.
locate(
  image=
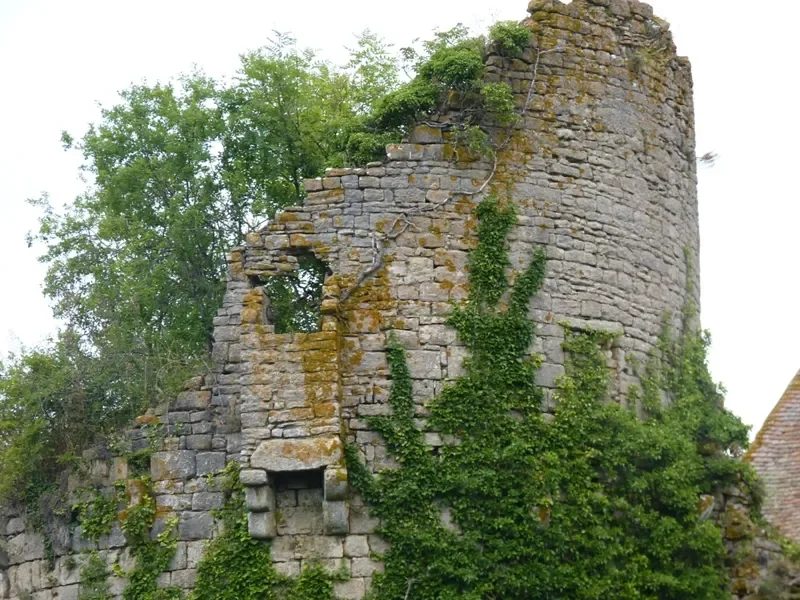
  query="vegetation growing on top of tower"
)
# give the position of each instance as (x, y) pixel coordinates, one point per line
(509, 37)
(596, 504)
(449, 76)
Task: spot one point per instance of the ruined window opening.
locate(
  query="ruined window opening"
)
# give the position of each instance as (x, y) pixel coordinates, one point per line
(295, 298)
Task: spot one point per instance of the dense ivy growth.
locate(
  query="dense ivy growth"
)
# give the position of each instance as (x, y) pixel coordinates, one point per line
(597, 504)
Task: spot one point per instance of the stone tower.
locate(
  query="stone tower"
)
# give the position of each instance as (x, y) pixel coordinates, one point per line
(602, 170)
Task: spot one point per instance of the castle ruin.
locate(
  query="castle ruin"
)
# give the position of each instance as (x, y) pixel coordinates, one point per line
(603, 171)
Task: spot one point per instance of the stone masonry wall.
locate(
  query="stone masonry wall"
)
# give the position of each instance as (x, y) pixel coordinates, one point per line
(603, 171)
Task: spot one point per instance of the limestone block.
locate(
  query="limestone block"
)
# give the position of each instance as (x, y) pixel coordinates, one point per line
(335, 484)
(25, 547)
(184, 579)
(352, 589)
(194, 400)
(179, 558)
(318, 547)
(297, 454)
(424, 364)
(15, 526)
(289, 568)
(210, 462)
(262, 525)
(335, 518)
(198, 442)
(356, 546)
(195, 526)
(365, 567)
(178, 464)
(194, 553)
(260, 498)
(253, 477)
(207, 501)
(361, 521)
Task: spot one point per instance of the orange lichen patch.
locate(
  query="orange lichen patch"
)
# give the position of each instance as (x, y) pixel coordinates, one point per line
(147, 420)
(326, 410)
(447, 285)
(298, 240)
(286, 217)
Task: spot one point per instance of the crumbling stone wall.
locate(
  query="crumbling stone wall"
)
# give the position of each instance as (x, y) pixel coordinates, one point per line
(603, 171)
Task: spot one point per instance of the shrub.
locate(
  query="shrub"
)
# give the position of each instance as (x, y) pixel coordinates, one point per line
(402, 106)
(498, 98)
(458, 67)
(509, 37)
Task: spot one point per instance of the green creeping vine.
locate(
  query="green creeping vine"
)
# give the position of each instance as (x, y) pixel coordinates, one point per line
(152, 556)
(597, 504)
(94, 579)
(237, 567)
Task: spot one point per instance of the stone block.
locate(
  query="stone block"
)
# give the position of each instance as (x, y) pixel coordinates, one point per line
(193, 400)
(424, 364)
(335, 518)
(178, 464)
(25, 547)
(262, 526)
(365, 567)
(179, 558)
(352, 589)
(356, 546)
(252, 477)
(195, 526)
(297, 454)
(335, 484)
(289, 568)
(184, 579)
(207, 500)
(318, 547)
(260, 498)
(361, 521)
(210, 462)
(198, 442)
(195, 552)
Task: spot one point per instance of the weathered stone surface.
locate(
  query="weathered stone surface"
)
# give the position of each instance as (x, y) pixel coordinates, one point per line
(253, 477)
(195, 526)
(260, 498)
(179, 464)
(209, 463)
(335, 518)
(335, 484)
(297, 454)
(262, 525)
(192, 400)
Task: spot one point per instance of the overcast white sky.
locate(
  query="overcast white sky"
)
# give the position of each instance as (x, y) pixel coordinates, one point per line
(59, 59)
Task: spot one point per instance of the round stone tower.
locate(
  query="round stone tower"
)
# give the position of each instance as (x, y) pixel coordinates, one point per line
(602, 169)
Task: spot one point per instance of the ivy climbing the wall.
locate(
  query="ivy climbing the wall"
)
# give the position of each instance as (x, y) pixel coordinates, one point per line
(237, 567)
(596, 504)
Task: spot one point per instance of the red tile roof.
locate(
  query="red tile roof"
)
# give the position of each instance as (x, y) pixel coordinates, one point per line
(775, 454)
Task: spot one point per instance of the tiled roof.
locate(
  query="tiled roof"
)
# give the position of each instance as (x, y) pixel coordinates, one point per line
(775, 454)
